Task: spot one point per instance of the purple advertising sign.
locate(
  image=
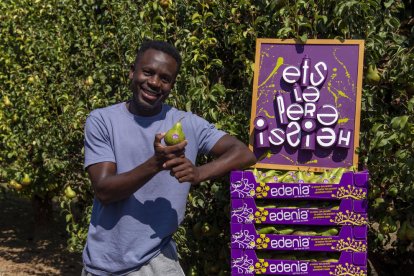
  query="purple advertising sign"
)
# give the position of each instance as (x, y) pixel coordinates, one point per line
(306, 103)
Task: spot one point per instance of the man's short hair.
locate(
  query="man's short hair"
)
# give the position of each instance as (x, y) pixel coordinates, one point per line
(162, 46)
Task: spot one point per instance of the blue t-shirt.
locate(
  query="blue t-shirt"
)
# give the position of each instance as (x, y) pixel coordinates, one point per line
(126, 234)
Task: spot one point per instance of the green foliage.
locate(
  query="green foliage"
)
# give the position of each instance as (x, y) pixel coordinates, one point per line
(60, 59)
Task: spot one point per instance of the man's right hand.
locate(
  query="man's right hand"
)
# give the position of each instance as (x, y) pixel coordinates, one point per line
(163, 153)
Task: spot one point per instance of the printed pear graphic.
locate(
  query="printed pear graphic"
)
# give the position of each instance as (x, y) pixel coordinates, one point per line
(175, 135)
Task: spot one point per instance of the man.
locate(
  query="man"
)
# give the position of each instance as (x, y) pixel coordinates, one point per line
(141, 185)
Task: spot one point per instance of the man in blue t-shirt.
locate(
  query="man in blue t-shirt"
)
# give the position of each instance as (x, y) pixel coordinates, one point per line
(141, 185)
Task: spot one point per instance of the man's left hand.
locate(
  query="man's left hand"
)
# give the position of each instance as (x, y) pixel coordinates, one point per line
(182, 169)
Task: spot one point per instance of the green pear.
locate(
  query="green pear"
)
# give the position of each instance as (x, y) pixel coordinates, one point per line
(6, 101)
(329, 232)
(267, 230)
(16, 185)
(304, 233)
(373, 74)
(26, 179)
(69, 193)
(402, 231)
(175, 135)
(286, 231)
(410, 231)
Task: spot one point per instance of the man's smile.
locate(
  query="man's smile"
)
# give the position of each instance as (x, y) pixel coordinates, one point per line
(150, 94)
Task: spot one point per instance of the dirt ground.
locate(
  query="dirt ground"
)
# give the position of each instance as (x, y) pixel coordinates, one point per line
(24, 252)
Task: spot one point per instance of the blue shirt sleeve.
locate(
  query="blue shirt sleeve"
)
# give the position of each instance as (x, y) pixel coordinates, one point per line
(98, 146)
(207, 134)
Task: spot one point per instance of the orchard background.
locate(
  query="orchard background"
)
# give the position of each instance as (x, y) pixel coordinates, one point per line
(60, 59)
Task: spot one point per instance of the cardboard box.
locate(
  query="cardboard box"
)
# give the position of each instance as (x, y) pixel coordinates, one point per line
(349, 238)
(246, 262)
(351, 186)
(350, 212)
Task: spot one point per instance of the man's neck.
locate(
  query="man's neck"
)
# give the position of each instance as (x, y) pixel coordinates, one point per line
(139, 111)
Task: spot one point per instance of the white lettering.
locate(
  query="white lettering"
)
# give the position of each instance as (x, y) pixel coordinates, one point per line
(281, 108)
(294, 112)
(311, 94)
(261, 138)
(285, 242)
(344, 141)
(296, 267)
(295, 215)
(327, 140)
(310, 109)
(307, 141)
(331, 117)
(299, 190)
(297, 92)
(322, 74)
(305, 72)
(277, 136)
(293, 134)
(291, 71)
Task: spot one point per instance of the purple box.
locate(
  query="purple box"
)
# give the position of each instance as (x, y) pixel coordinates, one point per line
(351, 186)
(245, 262)
(350, 238)
(350, 212)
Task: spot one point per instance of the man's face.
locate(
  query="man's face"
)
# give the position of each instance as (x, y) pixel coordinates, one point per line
(151, 81)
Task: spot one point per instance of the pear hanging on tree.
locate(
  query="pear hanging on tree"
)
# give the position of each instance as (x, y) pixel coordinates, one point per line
(373, 76)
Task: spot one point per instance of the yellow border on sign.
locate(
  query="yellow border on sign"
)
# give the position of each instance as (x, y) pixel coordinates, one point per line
(259, 42)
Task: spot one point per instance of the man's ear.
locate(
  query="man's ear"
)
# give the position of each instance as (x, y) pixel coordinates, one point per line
(131, 71)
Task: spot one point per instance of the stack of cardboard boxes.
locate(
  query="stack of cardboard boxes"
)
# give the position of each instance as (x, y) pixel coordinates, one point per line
(311, 229)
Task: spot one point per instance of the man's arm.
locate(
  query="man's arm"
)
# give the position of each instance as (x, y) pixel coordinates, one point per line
(230, 154)
(110, 186)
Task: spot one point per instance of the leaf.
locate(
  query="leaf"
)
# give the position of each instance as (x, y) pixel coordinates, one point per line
(200, 202)
(376, 127)
(399, 122)
(303, 38)
(388, 3)
(195, 16)
(188, 106)
(68, 217)
(395, 122)
(403, 122)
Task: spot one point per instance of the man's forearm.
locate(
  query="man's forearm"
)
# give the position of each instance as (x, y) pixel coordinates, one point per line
(236, 157)
(115, 187)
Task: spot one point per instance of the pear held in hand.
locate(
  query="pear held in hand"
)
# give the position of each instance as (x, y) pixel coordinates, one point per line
(175, 135)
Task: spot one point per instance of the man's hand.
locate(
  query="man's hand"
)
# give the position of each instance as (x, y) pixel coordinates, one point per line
(172, 158)
(164, 153)
(182, 169)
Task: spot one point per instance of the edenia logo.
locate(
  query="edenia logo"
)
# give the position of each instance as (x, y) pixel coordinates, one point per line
(289, 267)
(284, 215)
(290, 243)
(288, 190)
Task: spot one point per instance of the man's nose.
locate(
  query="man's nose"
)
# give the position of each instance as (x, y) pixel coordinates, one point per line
(154, 81)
